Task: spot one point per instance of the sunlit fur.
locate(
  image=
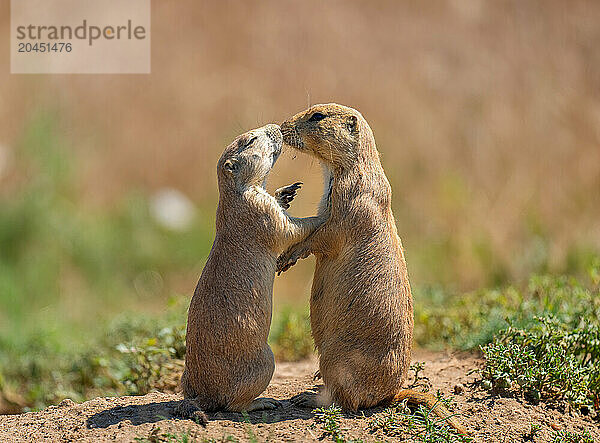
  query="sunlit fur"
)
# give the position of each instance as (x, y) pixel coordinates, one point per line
(228, 361)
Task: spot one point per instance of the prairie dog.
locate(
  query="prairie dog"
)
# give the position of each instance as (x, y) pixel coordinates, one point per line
(361, 306)
(228, 361)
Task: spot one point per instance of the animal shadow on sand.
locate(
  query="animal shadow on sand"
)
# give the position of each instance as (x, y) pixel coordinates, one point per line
(157, 411)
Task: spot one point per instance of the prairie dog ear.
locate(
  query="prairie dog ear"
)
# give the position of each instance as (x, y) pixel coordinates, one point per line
(231, 166)
(352, 123)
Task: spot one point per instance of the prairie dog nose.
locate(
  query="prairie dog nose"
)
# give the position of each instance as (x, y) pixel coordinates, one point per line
(273, 131)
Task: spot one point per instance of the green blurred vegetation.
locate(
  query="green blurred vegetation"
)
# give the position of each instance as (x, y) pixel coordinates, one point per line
(55, 253)
(66, 269)
(129, 355)
(290, 335)
(469, 320)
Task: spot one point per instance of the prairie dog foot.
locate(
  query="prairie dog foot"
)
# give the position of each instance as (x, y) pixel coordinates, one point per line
(286, 194)
(289, 258)
(190, 409)
(263, 403)
(307, 400)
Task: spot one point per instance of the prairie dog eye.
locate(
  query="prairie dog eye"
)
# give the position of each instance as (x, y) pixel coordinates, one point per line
(317, 116)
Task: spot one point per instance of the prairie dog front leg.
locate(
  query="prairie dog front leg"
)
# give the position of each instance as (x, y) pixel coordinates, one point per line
(299, 230)
(298, 251)
(287, 230)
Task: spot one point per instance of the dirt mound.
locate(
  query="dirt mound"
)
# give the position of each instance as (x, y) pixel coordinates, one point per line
(491, 419)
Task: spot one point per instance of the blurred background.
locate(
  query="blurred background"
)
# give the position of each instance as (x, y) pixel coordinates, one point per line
(486, 114)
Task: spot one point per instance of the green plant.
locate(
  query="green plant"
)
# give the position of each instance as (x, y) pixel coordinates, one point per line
(421, 426)
(572, 437)
(390, 421)
(329, 418)
(135, 354)
(419, 381)
(551, 356)
(153, 361)
(533, 431)
(548, 361)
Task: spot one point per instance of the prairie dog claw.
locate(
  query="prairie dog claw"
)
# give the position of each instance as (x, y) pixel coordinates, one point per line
(286, 194)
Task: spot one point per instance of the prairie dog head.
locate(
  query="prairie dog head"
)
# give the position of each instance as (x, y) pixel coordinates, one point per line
(249, 158)
(330, 132)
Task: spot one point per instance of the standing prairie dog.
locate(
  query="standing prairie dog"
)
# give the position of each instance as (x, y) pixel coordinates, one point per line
(228, 362)
(361, 307)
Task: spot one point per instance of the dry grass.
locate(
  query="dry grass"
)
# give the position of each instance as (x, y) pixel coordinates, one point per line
(487, 115)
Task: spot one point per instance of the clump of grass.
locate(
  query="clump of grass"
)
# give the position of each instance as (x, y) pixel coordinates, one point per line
(137, 353)
(290, 336)
(421, 426)
(330, 418)
(391, 421)
(552, 356)
(399, 421)
(572, 437)
(549, 361)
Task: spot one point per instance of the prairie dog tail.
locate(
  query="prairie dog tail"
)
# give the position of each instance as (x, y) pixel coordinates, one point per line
(429, 400)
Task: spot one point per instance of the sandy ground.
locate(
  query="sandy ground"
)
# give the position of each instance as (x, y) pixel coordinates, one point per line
(490, 419)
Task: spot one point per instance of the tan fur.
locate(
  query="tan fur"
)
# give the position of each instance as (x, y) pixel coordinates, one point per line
(228, 361)
(361, 305)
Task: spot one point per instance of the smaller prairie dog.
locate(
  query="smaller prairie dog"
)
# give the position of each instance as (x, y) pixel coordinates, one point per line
(228, 362)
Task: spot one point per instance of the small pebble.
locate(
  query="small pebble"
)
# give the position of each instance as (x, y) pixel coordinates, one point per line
(459, 388)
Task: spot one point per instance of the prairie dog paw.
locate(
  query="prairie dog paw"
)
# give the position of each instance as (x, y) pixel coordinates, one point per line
(286, 194)
(190, 409)
(305, 400)
(263, 403)
(289, 258)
